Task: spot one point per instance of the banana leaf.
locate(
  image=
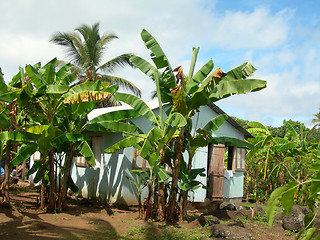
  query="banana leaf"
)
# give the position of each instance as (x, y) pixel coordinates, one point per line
(138, 105)
(24, 153)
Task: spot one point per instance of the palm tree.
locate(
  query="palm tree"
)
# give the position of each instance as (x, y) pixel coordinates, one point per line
(316, 120)
(86, 51)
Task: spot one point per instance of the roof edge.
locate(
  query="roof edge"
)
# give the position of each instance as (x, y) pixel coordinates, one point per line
(230, 120)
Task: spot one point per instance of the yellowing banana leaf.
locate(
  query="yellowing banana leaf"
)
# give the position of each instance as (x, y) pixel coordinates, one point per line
(18, 136)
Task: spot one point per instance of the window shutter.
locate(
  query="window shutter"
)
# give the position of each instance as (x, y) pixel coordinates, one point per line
(138, 162)
(81, 162)
(36, 156)
(215, 172)
(97, 150)
(96, 147)
(239, 159)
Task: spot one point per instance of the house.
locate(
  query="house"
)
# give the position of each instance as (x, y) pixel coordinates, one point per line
(108, 179)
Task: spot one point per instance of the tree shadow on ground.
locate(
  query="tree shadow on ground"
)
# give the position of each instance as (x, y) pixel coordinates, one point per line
(24, 220)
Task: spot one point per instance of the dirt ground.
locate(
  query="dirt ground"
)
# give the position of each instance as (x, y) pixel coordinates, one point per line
(88, 220)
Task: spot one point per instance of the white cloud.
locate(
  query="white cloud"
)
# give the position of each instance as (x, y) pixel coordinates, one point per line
(19, 50)
(259, 29)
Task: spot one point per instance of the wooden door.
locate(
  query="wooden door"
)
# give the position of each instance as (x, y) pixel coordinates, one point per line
(215, 172)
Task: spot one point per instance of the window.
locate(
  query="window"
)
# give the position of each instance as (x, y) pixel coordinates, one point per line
(236, 159)
(138, 162)
(96, 146)
(36, 156)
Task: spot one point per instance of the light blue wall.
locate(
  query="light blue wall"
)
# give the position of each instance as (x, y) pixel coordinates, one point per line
(109, 182)
(201, 157)
(233, 188)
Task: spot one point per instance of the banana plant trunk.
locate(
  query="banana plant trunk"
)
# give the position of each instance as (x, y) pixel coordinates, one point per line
(184, 201)
(6, 182)
(171, 207)
(161, 202)
(147, 203)
(52, 188)
(248, 186)
(43, 184)
(66, 174)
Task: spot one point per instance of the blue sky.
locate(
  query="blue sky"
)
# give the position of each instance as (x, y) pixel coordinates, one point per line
(280, 38)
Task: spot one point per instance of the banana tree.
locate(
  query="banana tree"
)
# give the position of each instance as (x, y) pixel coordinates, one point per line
(59, 116)
(310, 188)
(269, 157)
(150, 145)
(11, 125)
(186, 94)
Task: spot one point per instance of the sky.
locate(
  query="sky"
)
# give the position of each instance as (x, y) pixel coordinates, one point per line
(280, 38)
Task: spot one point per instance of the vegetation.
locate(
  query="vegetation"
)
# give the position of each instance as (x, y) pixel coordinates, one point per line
(48, 115)
(271, 167)
(44, 108)
(86, 47)
(283, 167)
(166, 141)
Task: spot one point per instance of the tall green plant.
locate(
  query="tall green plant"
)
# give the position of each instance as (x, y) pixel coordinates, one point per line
(12, 123)
(184, 95)
(58, 116)
(85, 47)
(285, 196)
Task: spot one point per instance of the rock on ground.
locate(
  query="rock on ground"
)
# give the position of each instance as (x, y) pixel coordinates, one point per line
(208, 220)
(231, 232)
(295, 220)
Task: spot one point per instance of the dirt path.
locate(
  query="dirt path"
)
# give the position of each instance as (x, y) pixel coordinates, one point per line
(85, 220)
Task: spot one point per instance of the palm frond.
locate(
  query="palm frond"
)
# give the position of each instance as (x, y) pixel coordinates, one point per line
(113, 64)
(72, 42)
(85, 47)
(122, 83)
(107, 37)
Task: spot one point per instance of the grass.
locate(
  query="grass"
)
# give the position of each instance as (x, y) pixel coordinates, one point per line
(166, 232)
(146, 232)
